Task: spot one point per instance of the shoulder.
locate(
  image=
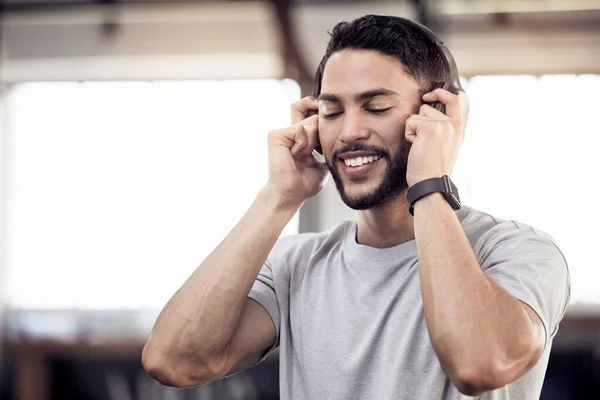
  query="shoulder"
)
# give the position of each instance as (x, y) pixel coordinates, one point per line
(516, 245)
(525, 261)
(485, 230)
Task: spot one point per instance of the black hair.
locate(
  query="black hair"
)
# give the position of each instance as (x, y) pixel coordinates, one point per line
(389, 36)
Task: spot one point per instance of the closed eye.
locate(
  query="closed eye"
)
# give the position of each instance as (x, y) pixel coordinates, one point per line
(376, 111)
(331, 115)
(379, 110)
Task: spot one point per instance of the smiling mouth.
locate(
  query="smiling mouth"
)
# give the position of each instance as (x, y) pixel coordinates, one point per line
(359, 168)
(359, 161)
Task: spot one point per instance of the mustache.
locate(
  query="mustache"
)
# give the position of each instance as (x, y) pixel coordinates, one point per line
(360, 147)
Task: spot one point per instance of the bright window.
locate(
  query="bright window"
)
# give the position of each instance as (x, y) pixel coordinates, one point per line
(532, 153)
(118, 190)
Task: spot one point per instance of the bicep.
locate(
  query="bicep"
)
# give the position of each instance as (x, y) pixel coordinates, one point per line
(254, 335)
(531, 267)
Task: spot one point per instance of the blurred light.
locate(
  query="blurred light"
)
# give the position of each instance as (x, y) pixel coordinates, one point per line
(118, 190)
(531, 154)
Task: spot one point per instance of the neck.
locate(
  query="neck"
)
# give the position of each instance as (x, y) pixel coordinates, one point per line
(385, 226)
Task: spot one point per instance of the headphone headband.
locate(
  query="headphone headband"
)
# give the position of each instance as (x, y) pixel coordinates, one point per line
(452, 83)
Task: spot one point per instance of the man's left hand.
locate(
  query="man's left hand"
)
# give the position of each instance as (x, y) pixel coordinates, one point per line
(435, 137)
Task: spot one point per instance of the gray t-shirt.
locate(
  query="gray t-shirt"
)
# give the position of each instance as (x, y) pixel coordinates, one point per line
(350, 321)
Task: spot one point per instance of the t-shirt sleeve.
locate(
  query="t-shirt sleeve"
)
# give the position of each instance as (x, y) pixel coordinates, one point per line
(531, 267)
(263, 292)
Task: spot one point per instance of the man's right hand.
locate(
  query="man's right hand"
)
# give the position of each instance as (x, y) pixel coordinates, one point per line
(227, 331)
(294, 173)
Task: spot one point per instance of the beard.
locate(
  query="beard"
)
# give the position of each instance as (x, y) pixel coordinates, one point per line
(392, 186)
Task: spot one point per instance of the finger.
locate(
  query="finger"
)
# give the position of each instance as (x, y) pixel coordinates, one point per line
(300, 108)
(428, 111)
(413, 125)
(299, 139)
(410, 127)
(464, 109)
(418, 117)
(450, 100)
(308, 141)
(304, 137)
(288, 136)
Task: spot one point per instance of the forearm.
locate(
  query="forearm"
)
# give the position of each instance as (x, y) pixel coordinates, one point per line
(201, 317)
(471, 320)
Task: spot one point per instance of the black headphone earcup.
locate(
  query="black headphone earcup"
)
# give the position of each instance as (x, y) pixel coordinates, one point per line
(439, 106)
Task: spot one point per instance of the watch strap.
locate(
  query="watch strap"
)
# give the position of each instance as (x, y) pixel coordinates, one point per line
(433, 185)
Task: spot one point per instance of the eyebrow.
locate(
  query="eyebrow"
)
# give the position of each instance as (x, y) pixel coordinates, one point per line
(361, 97)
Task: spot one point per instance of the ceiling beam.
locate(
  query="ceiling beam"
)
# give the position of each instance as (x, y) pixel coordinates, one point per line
(295, 66)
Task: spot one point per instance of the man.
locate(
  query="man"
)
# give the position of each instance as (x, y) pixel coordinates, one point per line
(439, 305)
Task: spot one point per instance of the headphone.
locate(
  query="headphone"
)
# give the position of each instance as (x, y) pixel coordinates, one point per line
(452, 83)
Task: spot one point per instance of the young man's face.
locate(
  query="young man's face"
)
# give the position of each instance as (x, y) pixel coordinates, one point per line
(365, 100)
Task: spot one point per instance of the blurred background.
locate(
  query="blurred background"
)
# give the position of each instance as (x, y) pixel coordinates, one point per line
(133, 138)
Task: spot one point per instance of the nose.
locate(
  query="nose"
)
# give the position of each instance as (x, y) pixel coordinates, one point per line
(354, 128)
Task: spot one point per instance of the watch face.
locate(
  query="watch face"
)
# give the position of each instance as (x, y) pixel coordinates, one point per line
(451, 191)
(454, 201)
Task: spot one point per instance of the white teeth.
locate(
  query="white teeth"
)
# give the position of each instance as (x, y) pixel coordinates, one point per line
(358, 161)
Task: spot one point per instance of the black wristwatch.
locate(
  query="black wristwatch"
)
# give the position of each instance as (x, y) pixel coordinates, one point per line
(433, 185)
